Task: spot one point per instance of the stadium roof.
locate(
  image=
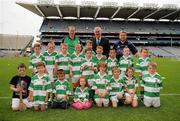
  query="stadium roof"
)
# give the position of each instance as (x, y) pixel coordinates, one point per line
(108, 10)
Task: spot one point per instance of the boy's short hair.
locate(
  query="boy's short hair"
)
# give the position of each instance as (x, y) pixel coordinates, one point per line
(63, 44)
(116, 68)
(88, 49)
(153, 64)
(129, 68)
(40, 64)
(77, 44)
(51, 42)
(37, 44)
(99, 47)
(112, 49)
(144, 49)
(89, 41)
(60, 71)
(102, 64)
(125, 48)
(21, 65)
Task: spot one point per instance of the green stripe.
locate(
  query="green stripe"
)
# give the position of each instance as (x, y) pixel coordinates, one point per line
(151, 94)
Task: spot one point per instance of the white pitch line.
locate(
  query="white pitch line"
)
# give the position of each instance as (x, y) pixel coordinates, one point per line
(5, 97)
(170, 94)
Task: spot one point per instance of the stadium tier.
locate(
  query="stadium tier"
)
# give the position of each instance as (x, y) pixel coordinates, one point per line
(140, 32)
(146, 25)
(14, 44)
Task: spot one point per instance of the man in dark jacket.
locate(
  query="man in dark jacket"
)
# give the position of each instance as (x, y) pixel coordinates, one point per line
(99, 40)
(123, 42)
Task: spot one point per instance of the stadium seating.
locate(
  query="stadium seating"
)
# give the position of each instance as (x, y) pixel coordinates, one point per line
(11, 45)
(56, 25)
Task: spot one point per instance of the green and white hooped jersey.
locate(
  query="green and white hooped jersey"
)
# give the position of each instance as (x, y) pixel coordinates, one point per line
(98, 60)
(49, 60)
(61, 88)
(111, 63)
(142, 65)
(101, 83)
(80, 94)
(34, 60)
(76, 62)
(116, 86)
(152, 85)
(125, 62)
(40, 85)
(87, 72)
(63, 63)
(131, 84)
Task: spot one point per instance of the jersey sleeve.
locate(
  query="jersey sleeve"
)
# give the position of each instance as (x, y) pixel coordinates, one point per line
(31, 86)
(30, 63)
(48, 85)
(138, 66)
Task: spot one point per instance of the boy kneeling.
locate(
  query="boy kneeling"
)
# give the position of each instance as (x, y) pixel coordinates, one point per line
(61, 91)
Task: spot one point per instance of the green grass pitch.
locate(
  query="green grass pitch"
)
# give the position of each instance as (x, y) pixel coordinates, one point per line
(169, 110)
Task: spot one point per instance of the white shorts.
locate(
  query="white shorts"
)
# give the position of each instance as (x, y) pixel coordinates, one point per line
(135, 96)
(16, 101)
(102, 101)
(116, 98)
(38, 103)
(148, 102)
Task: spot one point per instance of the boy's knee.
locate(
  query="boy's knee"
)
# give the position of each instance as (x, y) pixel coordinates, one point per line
(134, 105)
(128, 101)
(15, 108)
(43, 108)
(114, 104)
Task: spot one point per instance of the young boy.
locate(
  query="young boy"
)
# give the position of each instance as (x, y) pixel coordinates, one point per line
(88, 66)
(125, 61)
(116, 87)
(142, 66)
(36, 57)
(99, 56)
(88, 69)
(63, 60)
(101, 86)
(40, 88)
(76, 62)
(152, 84)
(61, 91)
(16, 87)
(49, 58)
(89, 45)
(143, 61)
(111, 61)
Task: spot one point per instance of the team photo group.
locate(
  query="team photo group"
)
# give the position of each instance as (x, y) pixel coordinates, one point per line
(84, 76)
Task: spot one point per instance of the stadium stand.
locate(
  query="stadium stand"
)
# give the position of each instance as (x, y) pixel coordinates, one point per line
(58, 25)
(11, 45)
(153, 26)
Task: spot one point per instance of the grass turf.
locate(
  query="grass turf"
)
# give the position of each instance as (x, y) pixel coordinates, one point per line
(169, 110)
